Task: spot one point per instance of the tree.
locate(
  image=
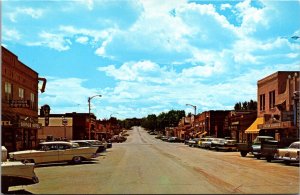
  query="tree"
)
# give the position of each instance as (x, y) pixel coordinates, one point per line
(247, 105)
(237, 106)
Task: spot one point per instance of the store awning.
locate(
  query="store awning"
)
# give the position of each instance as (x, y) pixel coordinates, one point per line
(204, 133)
(253, 127)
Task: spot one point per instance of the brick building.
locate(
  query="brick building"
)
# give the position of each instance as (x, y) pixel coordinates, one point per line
(213, 122)
(237, 122)
(19, 117)
(278, 106)
(59, 127)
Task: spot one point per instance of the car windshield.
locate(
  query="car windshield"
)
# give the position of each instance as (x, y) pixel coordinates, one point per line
(75, 145)
(258, 140)
(295, 145)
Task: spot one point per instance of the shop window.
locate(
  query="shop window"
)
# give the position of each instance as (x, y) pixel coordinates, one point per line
(272, 99)
(262, 102)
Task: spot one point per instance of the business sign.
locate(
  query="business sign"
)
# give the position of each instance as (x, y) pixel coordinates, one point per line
(5, 123)
(19, 103)
(64, 122)
(27, 124)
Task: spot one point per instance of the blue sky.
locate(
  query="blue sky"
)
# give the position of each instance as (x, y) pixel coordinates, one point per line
(151, 56)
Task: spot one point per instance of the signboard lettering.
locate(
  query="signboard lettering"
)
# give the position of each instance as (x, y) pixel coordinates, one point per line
(19, 103)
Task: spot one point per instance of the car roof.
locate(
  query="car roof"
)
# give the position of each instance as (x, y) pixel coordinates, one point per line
(55, 142)
(263, 136)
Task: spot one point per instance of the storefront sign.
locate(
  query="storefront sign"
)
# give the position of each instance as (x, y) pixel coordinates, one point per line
(19, 103)
(287, 116)
(25, 124)
(5, 123)
(285, 124)
(235, 123)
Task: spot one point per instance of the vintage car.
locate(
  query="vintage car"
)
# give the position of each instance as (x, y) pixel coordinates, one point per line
(91, 143)
(215, 143)
(193, 142)
(16, 173)
(226, 144)
(205, 142)
(56, 151)
(290, 154)
(174, 139)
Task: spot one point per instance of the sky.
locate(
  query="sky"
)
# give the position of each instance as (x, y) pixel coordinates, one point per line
(151, 56)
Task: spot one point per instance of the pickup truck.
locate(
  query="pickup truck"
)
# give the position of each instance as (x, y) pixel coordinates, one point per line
(254, 148)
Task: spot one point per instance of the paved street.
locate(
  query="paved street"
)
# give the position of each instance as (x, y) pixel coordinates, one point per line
(144, 164)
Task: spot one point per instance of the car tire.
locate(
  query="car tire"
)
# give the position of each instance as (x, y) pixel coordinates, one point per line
(269, 158)
(257, 157)
(286, 162)
(76, 159)
(243, 153)
(4, 187)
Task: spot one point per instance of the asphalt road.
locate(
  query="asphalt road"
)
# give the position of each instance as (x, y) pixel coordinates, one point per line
(145, 165)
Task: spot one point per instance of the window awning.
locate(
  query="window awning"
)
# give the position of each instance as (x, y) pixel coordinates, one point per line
(253, 127)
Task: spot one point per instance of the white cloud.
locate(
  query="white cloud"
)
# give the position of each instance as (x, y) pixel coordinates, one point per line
(19, 11)
(82, 40)
(11, 34)
(225, 6)
(54, 41)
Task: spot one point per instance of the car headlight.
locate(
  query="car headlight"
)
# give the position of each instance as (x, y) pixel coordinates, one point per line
(11, 156)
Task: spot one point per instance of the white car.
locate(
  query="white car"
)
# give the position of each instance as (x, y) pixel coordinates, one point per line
(56, 151)
(290, 154)
(16, 173)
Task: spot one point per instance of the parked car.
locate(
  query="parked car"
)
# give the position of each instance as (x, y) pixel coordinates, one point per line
(164, 138)
(290, 154)
(215, 143)
(56, 151)
(226, 144)
(174, 139)
(193, 142)
(118, 139)
(16, 173)
(109, 144)
(91, 143)
(205, 142)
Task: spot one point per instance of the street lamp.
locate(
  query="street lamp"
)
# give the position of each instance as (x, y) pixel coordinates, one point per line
(64, 123)
(195, 107)
(89, 101)
(112, 114)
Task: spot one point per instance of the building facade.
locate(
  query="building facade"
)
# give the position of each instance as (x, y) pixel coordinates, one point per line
(237, 122)
(60, 127)
(19, 115)
(278, 106)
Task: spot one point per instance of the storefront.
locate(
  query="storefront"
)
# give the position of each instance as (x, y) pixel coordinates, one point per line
(281, 131)
(19, 134)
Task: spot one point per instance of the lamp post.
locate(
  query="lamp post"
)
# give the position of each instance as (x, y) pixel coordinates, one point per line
(195, 107)
(64, 123)
(89, 101)
(112, 114)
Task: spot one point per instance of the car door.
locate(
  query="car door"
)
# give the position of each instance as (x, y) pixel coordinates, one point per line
(50, 154)
(65, 153)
